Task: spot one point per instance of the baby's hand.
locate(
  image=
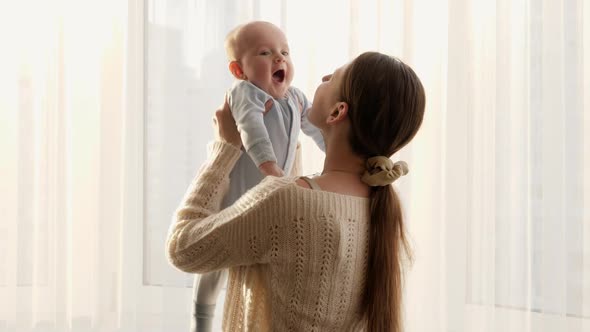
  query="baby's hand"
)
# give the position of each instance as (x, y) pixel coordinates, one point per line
(270, 168)
(268, 106)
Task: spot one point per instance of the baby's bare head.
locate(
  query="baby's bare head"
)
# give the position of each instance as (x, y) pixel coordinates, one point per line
(258, 52)
(243, 37)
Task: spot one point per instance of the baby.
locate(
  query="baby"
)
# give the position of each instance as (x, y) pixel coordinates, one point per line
(269, 113)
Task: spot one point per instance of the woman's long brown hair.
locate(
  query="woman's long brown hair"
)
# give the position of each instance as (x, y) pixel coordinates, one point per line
(386, 103)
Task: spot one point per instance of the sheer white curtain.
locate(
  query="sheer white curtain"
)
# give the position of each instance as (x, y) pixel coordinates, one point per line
(71, 244)
(105, 110)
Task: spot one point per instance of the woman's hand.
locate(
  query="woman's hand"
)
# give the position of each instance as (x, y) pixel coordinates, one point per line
(225, 127)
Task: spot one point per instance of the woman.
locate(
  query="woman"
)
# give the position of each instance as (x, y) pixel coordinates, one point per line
(322, 254)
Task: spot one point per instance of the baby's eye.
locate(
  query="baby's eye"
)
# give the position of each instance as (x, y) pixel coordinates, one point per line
(285, 53)
(265, 53)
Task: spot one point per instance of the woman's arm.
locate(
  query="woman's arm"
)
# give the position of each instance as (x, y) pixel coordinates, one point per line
(202, 238)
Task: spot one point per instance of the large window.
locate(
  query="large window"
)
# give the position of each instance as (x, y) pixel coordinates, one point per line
(186, 76)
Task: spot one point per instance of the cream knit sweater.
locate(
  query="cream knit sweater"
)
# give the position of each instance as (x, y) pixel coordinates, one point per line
(297, 257)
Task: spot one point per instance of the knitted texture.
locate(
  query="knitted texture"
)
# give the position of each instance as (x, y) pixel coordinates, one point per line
(297, 257)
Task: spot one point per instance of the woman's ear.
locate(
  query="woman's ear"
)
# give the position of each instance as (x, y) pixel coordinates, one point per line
(339, 113)
(236, 69)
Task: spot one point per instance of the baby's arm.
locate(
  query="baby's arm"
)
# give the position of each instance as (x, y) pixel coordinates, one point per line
(306, 126)
(270, 168)
(248, 105)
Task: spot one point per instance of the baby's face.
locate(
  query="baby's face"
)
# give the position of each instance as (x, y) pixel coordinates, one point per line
(265, 59)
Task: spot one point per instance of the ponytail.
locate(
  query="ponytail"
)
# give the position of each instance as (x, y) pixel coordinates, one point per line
(387, 243)
(386, 104)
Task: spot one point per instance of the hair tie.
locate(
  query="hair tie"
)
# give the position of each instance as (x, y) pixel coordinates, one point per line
(381, 171)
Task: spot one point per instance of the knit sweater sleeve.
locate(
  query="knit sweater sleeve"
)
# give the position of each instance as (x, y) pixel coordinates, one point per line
(202, 238)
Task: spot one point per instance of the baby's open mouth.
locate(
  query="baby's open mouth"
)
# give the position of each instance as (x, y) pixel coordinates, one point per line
(279, 76)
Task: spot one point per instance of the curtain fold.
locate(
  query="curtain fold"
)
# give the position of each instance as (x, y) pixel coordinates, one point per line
(104, 116)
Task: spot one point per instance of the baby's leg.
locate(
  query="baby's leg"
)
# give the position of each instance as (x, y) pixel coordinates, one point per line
(206, 290)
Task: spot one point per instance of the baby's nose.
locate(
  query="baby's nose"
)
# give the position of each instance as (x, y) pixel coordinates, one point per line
(279, 58)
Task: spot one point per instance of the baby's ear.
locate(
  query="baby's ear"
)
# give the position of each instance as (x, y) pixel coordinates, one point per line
(236, 70)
